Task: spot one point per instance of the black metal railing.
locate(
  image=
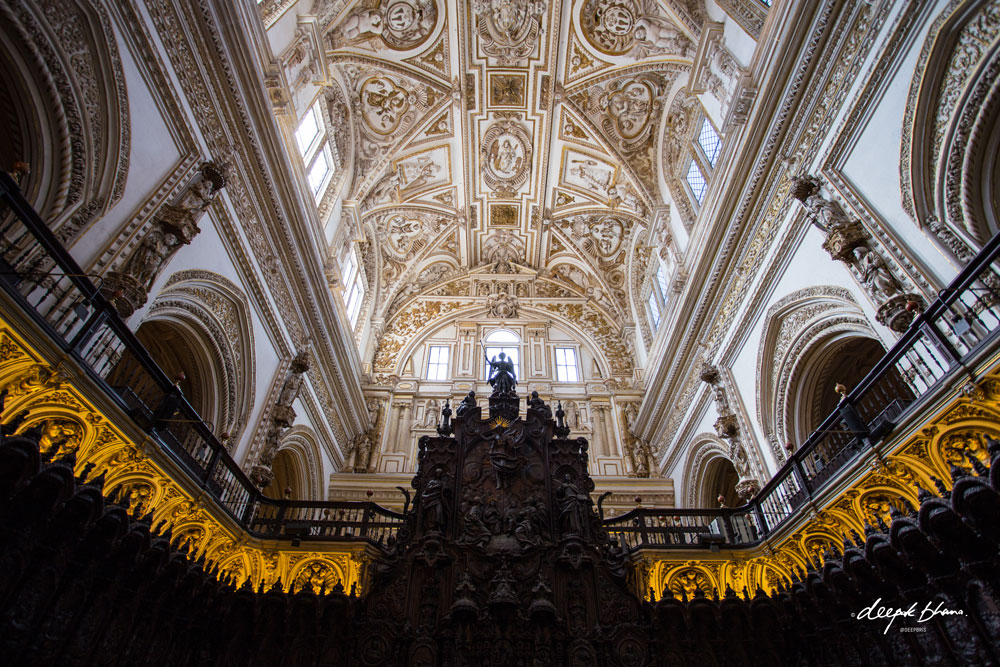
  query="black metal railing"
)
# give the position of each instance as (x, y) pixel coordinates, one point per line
(38, 273)
(962, 322)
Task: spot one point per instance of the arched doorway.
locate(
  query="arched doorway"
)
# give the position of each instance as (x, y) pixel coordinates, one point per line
(287, 482)
(720, 479)
(845, 359)
(177, 350)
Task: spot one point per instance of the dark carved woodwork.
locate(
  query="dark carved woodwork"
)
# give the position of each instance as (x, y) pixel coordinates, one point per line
(503, 561)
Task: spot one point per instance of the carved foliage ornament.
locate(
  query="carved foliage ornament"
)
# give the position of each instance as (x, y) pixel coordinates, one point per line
(384, 104)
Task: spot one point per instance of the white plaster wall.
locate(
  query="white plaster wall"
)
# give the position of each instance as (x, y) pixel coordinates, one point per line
(153, 155)
(872, 167)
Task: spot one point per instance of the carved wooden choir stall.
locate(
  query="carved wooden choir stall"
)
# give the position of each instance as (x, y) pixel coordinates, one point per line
(502, 560)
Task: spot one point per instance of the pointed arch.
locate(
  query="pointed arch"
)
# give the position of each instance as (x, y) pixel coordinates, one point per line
(702, 470)
(65, 107)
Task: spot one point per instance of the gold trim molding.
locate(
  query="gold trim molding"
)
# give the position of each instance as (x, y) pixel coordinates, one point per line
(71, 424)
(929, 452)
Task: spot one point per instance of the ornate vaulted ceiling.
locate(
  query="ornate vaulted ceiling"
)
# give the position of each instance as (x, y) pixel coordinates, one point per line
(528, 139)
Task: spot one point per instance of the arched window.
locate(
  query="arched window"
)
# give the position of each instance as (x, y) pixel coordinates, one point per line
(705, 151)
(508, 342)
(654, 310)
(658, 296)
(319, 155)
(354, 290)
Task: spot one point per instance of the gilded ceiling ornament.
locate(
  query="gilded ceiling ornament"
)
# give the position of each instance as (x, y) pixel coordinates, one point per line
(502, 304)
(502, 249)
(507, 90)
(598, 235)
(426, 170)
(508, 29)
(384, 104)
(506, 154)
(630, 105)
(504, 215)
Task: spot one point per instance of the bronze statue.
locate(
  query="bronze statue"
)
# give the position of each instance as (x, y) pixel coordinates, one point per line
(503, 377)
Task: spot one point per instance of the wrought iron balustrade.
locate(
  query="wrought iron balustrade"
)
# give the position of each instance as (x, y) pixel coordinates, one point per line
(960, 324)
(41, 276)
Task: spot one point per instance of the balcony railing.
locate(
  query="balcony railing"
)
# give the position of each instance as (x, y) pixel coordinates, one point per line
(959, 325)
(38, 273)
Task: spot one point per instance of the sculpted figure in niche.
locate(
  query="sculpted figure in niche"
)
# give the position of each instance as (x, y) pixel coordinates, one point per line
(874, 273)
(573, 506)
(642, 457)
(631, 413)
(504, 458)
(374, 410)
(572, 415)
(432, 500)
(362, 453)
(431, 412)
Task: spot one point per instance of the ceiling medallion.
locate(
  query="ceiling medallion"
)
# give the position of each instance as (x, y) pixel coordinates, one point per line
(609, 24)
(408, 24)
(508, 29)
(630, 105)
(383, 104)
(506, 154)
(400, 24)
(630, 28)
